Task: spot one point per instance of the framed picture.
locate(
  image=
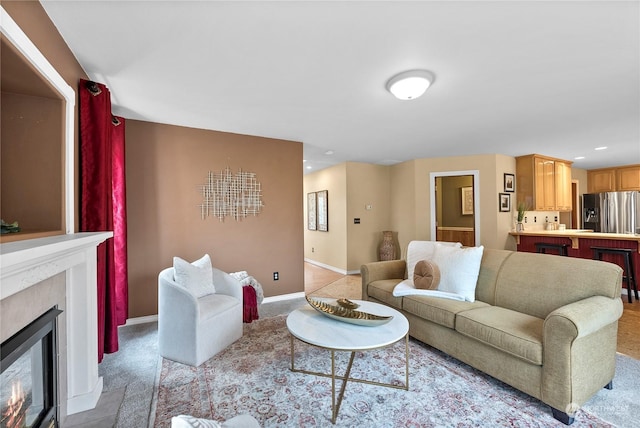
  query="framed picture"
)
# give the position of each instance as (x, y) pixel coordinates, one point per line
(467, 200)
(323, 210)
(311, 211)
(509, 183)
(504, 200)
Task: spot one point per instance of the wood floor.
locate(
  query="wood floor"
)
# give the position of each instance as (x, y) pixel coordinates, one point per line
(629, 329)
(316, 277)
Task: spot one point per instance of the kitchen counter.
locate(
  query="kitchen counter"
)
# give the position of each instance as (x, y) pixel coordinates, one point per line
(575, 235)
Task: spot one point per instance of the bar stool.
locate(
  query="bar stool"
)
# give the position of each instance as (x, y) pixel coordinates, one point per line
(627, 255)
(542, 247)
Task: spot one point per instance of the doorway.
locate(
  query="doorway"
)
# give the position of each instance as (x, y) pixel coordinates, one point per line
(455, 204)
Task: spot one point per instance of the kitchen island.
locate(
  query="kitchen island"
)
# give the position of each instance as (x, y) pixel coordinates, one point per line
(576, 237)
(579, 243)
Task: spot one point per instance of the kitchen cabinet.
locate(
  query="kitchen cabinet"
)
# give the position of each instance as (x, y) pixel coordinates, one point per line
(628, 178)
(563, 186)
(613, 179)
(601, 180)
(543, 183)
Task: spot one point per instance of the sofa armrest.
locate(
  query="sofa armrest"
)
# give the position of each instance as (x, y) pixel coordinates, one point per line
(579, 345)
(376, 271)
(583, 317)
(226, 284)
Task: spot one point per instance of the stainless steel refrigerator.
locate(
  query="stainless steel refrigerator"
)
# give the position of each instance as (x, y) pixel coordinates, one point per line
(612, 212)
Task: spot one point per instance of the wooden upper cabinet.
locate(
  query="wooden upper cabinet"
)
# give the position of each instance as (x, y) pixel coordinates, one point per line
(543, 183)
(628, 178)
(601, 180)
(613, 179)
(563, 186)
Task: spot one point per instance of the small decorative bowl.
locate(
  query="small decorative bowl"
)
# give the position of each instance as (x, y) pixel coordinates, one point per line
(348, 304)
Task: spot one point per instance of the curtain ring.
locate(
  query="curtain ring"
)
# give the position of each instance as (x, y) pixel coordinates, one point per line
(93, 88)
(115, 121)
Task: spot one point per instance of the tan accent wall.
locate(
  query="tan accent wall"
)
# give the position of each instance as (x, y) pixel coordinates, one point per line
(32, 162)
(166, 164)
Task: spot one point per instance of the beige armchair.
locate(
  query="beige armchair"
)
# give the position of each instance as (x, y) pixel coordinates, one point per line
(192, 330)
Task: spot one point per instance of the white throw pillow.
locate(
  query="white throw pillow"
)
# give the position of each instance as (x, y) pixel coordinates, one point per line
(459, 269)
(196, 277)
(423, 250)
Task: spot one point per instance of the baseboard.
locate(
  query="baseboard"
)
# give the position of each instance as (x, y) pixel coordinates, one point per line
(283, 297)
(142, 320)
(332, 268)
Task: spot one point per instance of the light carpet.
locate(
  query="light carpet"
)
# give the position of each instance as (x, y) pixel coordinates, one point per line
(252, 376)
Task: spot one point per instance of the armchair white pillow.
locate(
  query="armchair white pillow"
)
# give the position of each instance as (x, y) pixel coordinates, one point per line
(196, 277)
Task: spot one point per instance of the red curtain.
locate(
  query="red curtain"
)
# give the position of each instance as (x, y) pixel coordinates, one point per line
(103, 206)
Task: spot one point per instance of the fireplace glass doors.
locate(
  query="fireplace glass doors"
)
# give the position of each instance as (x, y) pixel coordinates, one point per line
(28, 382)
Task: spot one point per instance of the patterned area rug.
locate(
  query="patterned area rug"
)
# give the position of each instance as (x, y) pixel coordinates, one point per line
(252, 376)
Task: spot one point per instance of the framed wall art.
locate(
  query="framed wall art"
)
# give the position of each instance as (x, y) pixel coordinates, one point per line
(467, 200)
(323, 210)
(311, 211)
(509, 183)
(504, 200)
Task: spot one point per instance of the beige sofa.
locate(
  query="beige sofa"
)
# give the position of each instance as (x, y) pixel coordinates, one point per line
(544, 324)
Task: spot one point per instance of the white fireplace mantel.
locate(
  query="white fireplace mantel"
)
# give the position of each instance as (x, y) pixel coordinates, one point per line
(26, 263)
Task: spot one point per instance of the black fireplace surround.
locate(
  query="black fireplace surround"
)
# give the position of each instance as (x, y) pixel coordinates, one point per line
(28, 370)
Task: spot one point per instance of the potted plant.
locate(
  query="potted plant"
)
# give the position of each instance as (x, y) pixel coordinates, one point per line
(522, 210)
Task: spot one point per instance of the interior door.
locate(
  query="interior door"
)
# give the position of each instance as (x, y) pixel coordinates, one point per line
(455, 213)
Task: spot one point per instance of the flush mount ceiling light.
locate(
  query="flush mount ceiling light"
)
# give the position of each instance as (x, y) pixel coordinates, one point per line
(411, 84)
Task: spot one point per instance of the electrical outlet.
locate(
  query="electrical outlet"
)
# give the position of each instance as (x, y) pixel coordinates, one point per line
(525, 219)
(313, 250)
(276, 276)
(535, 219)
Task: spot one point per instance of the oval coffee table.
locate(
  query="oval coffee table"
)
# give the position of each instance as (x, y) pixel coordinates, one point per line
(311, 327)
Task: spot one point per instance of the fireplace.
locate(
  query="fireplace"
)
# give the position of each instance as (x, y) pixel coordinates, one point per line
(29, 375)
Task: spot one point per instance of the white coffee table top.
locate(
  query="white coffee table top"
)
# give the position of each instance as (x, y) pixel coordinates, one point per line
(312, 327)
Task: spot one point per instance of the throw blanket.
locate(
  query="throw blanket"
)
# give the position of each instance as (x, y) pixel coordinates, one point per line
(246, 279)
(250, 304)
(406, 288)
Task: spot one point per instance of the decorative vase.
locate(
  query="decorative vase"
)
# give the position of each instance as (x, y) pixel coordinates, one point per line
(387, 249)
(519, 227)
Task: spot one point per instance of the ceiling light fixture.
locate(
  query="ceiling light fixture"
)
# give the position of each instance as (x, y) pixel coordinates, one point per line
(601, 148)
(411, 84)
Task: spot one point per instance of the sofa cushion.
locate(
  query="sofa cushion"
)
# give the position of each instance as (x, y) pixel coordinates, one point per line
(382, 290)
(513, 332)
(426, 275)
(438, 310)
(526, 280)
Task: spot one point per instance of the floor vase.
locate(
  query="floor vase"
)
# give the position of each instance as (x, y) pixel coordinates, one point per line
(387, 248)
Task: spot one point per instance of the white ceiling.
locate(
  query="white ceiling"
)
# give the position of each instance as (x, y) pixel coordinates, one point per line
(549, 77)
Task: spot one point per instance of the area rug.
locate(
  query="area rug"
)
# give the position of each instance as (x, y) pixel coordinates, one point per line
(252, 376)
